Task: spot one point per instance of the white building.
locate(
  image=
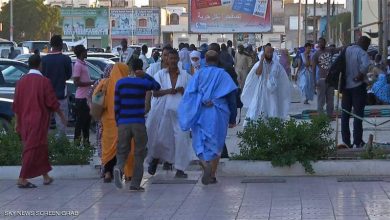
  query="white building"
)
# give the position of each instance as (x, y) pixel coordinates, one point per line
(71, 3)
(122, 3)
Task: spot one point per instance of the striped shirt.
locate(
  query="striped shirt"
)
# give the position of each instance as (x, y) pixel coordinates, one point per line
(130, 98)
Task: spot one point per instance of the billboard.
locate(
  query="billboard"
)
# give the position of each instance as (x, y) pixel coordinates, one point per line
(144, 22)
(230, 16)
(85, 21)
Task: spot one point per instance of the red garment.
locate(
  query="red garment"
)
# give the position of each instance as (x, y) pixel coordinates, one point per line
(34, 100)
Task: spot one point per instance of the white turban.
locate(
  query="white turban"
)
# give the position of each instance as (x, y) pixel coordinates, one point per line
(195, 64)
(195, 53)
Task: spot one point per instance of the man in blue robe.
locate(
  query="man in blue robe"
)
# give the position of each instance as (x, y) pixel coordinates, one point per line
(208, 108)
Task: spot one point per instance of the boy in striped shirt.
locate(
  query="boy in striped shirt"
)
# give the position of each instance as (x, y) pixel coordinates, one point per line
(130, 118)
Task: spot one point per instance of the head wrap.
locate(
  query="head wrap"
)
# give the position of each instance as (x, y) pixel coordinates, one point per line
(197, 54)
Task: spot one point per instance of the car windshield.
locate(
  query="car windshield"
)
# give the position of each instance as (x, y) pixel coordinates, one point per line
(38, 45)
(12, 72)
(7, 44)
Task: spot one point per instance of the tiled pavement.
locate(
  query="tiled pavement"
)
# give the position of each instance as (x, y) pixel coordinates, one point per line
(319, 198)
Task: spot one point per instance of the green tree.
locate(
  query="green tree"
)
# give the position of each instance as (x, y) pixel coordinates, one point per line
(33, 20)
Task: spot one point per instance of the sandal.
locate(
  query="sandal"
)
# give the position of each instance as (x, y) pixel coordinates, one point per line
(48, 182)
(28, 185)
(107, 178)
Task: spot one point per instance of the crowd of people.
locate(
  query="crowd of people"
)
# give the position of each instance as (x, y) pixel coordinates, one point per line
(155, 110)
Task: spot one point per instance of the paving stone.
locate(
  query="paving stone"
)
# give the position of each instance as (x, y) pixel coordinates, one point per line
(299, 198)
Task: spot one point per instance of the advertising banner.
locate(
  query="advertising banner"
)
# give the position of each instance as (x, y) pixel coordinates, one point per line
(85, 21)
(230, 16)
(144, 22)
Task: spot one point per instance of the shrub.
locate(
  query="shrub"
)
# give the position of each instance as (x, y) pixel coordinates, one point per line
(286, 142)
(61, 150)
(10, 147)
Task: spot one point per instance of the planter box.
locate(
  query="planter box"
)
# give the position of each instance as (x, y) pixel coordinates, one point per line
(321, 168)
(60, 172)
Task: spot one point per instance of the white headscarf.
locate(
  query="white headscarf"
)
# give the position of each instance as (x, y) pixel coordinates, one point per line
(195, 54)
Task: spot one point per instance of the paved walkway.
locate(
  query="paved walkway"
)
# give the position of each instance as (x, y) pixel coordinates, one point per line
(298, 198)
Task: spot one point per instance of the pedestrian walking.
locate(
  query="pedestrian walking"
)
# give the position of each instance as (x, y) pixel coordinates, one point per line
(130, 119)
(305, 74)
(110, 127)
(57, 67)
(167, 142)
(267, 90)
(208, 108)
(322, 60)
(34, 101)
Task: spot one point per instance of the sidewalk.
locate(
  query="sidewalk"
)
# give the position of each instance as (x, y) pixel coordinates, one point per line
(319, 198)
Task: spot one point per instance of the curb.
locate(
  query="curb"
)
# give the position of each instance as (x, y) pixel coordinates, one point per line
(321, 168)
(60, 172)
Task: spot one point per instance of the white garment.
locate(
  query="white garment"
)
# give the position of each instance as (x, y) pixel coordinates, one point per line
(166, 141)
(124, 56)
(275, 56)
(267, 95)
(153, 69)
(34, 71)
(145, 62)
(184, 56)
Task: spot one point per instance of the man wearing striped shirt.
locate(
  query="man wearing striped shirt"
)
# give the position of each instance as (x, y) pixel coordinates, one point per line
(130, 118)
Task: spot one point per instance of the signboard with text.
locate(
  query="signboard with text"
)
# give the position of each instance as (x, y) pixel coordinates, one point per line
(85, 21)
(144, 22)
(230, 16)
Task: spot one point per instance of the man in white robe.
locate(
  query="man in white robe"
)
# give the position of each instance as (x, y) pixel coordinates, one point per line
(267, 89)
(152, 71)
(166, 141)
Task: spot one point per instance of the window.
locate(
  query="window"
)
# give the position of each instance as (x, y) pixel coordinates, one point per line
(89, 23)
(142, 22)
(12, 73)
(293, 23)
(174, 19)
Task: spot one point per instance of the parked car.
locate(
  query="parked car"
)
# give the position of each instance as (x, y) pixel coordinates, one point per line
(95, 50)
(6, 113)
(33, 45)
(4, 51)
(100, 62)
(13, 70)
(7, 43)
(115, 59)
(10, 73)
(102, 55)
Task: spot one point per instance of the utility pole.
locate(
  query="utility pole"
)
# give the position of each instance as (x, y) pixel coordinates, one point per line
(327, 20)
(132, 22)
(299, 22)
(305, 21)
(315, 20)
(385, 21)
(72, 22)
(381, 24)
(11, 23)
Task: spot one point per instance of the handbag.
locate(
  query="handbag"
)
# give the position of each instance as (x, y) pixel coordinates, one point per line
(98, 97)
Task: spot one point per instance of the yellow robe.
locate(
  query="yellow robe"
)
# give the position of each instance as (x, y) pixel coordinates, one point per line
(110, 130)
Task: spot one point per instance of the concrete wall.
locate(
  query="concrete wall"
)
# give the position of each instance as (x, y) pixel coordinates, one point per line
(370, 14)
